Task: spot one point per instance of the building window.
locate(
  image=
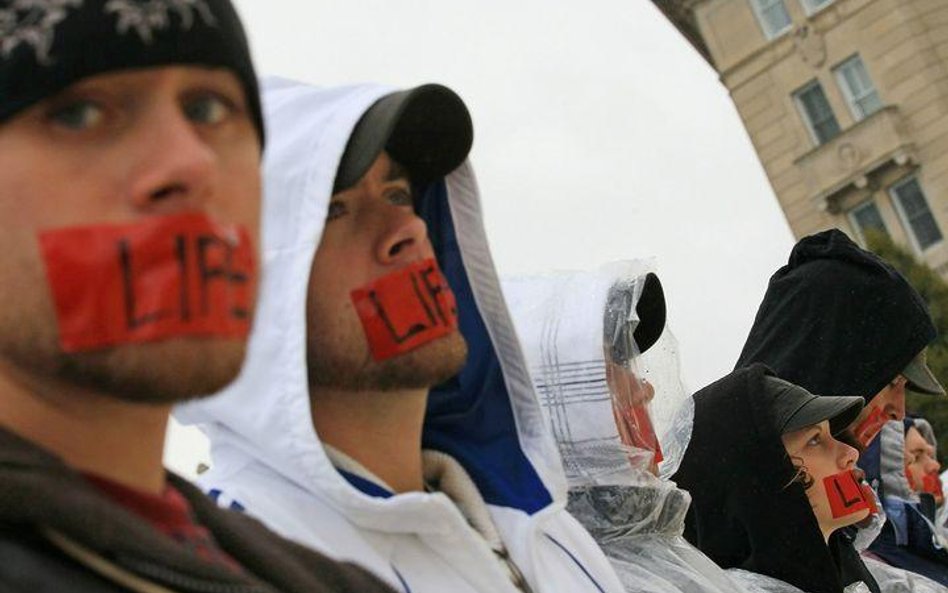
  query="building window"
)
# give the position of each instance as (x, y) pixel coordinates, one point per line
(772, 15)
(817, 113)
(865, 217)
(811, 6)
(917, 218)
(857, 87)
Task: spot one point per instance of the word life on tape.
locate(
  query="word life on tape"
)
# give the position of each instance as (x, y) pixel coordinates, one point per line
(931, 483)
(845, 494)
(636, 429)
(406, 309)
(182, 275)
(870, 426)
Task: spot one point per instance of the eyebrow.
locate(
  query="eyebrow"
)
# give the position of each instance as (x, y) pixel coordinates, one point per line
(396, 172)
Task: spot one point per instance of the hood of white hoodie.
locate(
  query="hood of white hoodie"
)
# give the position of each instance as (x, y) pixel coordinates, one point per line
(487, 417)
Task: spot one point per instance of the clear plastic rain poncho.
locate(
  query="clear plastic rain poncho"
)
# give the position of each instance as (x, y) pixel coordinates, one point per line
(597, 390)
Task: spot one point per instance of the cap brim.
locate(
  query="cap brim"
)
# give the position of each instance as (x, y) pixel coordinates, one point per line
(651, 313)
(840, 411)
(921, 379)
(427, 130)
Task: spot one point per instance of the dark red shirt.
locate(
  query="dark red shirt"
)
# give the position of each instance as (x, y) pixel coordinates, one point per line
(171, 514)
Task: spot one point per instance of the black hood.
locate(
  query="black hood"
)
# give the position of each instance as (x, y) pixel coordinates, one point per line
(837, 320)
(743, 514)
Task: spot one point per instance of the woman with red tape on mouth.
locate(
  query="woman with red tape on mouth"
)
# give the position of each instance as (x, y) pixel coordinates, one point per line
(770, 483)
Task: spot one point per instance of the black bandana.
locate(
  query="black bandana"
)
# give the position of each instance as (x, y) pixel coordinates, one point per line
(47, 45)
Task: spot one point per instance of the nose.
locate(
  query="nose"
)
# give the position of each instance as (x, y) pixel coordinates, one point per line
(405, 239)
(848, 456)
(933, 466)
(175, 169)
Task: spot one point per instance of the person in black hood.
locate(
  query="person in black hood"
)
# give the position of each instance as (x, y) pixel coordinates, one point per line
(837, 320)
(761, 467)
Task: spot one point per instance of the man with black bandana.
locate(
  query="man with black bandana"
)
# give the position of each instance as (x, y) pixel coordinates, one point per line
(131, 136)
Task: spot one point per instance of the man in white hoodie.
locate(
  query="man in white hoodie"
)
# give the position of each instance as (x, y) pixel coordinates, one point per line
(358, 426)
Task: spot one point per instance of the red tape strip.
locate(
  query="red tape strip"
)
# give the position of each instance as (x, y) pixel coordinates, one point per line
(870, 426)
(870, 497)
(406, 309)
(845, 494)
(931, 483)
(910, 478)
(636, 430)
(182, 275)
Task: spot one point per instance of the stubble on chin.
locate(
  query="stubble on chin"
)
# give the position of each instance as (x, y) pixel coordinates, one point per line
(163, 372)
(338, 365)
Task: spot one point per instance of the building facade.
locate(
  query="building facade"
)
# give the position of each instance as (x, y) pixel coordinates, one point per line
(846, 103)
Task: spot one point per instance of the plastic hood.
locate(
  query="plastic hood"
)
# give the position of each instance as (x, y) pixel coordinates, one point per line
(561, 320)
(487, 417)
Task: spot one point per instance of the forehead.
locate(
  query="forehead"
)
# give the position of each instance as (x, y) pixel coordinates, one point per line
(157, 76)
(915, 440)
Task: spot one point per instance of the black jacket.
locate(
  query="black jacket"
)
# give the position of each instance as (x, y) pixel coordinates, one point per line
(837, 320)
(57, 533)
(743, 513)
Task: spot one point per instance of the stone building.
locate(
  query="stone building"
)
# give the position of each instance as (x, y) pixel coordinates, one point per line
(845, 102)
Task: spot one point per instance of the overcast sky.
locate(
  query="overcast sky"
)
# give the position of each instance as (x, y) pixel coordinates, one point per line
(600, 134)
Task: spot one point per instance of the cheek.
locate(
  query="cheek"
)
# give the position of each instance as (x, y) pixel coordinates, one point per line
(820, 465)
(817, 496)
(239, 198)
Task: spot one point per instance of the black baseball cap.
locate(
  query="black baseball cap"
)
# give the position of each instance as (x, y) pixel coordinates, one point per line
(649, 309)
(426, 129)
(794, 407)
(920, 377)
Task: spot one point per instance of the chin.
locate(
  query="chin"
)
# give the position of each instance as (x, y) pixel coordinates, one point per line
(853, 519)
(421, 368)
(163, 372)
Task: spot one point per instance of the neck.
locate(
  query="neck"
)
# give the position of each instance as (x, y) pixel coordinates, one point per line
(380, 430)
(89, 431)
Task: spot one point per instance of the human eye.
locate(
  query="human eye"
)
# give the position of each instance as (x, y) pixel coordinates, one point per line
(336, 210)
(401, 197)
(209, 108)
(815, 440)
(76, 114)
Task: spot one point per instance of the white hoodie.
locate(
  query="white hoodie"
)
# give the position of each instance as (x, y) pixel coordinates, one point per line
(637, 518)
(267, 457)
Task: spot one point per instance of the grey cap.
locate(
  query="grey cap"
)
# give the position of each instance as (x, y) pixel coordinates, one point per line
(426, 129)
(920, 378)
(794, 407)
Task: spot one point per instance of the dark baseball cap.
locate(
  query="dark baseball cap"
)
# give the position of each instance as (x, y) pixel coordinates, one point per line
(794, 407)
(649, 309)
(426, 129)
(920, 377)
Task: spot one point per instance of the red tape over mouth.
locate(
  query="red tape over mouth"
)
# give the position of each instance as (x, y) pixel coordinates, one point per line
(931, 484)
(182, 275)
(636, 430)
(845, 494)
(870, 427)
(406, 309)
